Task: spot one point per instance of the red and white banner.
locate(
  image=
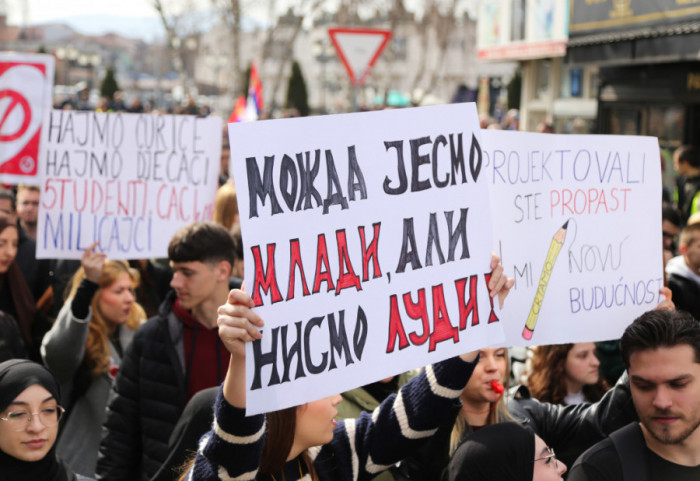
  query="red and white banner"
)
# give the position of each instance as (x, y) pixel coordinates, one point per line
(26, 82)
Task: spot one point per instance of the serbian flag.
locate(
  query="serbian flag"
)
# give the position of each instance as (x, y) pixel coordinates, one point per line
(254, 105)
(238, 111)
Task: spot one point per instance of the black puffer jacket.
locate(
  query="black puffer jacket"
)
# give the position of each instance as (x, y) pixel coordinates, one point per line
(569, 430)
(686, 294)
(11, 342)
(147, 399)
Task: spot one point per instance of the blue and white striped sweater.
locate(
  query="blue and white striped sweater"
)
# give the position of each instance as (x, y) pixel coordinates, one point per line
(360, 448)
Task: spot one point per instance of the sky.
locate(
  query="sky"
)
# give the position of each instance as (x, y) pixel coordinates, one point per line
(41, 11)
(100, 16)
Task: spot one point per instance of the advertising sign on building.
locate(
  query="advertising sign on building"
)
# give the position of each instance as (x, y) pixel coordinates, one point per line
(506, 31)
(590, 17)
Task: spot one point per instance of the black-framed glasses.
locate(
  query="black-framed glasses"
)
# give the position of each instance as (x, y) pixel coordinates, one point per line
(550, 458)
(19, 419)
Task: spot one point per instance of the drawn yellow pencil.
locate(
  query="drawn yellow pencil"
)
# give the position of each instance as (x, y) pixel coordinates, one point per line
(552, 253)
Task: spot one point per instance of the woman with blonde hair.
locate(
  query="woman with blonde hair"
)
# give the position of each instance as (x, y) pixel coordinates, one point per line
(84, 349)
(226, 205)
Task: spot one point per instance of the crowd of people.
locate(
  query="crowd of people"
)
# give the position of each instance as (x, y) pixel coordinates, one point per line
(117, 370)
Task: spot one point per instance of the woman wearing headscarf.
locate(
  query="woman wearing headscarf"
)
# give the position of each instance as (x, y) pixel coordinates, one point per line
(505, 452)
(30, 411)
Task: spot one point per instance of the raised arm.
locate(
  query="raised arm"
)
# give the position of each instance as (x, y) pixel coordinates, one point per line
(238, 324)
(63, 347)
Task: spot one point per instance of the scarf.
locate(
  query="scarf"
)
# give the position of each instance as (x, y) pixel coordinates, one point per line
(16, 375)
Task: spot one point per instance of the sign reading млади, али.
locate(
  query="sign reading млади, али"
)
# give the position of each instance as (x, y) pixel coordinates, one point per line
(367, 246)
(126, 181)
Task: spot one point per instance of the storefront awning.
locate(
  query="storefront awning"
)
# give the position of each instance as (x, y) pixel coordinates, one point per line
(651, 44)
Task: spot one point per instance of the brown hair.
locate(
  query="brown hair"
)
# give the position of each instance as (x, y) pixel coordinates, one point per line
(279, 437)
(97, 355)
(660, 328)
(281, 426)
(547, 379)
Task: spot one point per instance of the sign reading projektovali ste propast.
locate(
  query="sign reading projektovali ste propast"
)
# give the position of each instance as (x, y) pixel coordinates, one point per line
(26, 81)
(126, 181)
(578, 225)
(367, 247)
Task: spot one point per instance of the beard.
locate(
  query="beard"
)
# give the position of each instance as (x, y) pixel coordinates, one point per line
(664, 435)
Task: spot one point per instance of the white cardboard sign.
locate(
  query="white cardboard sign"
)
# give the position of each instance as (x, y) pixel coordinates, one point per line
(577, 223)
(367, 246)
(127, 181)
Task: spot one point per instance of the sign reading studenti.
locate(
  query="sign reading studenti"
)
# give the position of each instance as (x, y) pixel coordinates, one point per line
(367, 247)
(126, 181)
(26, 81)
(578, 225)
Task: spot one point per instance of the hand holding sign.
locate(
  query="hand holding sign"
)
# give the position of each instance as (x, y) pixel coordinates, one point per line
(499, 283)
(667, 302)
(238, 323)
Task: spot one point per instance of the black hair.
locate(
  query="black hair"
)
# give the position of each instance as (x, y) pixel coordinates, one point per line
(688, 153)
(237, 241)
(660, 328)
(202, 242)
(670, 213)
(8, 194)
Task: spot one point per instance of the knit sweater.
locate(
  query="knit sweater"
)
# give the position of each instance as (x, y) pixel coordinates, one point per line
(360, 448)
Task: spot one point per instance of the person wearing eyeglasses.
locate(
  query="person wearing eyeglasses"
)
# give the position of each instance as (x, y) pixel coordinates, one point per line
(505, 452)
(30, 413)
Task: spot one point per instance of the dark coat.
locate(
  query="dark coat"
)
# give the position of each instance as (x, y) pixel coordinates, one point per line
(686, 294)
(148, 398)
(11, 342)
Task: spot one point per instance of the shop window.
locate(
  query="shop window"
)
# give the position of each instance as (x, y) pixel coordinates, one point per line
(667, 123)
(624, 121)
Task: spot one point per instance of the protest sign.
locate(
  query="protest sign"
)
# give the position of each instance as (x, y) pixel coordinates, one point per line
(127, 181)
(577, 223)
(367, 247)
(26, 81)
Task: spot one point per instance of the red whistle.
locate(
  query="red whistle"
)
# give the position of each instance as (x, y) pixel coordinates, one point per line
(497, 387)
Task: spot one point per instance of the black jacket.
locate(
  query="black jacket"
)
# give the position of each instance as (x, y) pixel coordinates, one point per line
(11, 342)
(686, 294)
(147, 399)
(569, 430)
